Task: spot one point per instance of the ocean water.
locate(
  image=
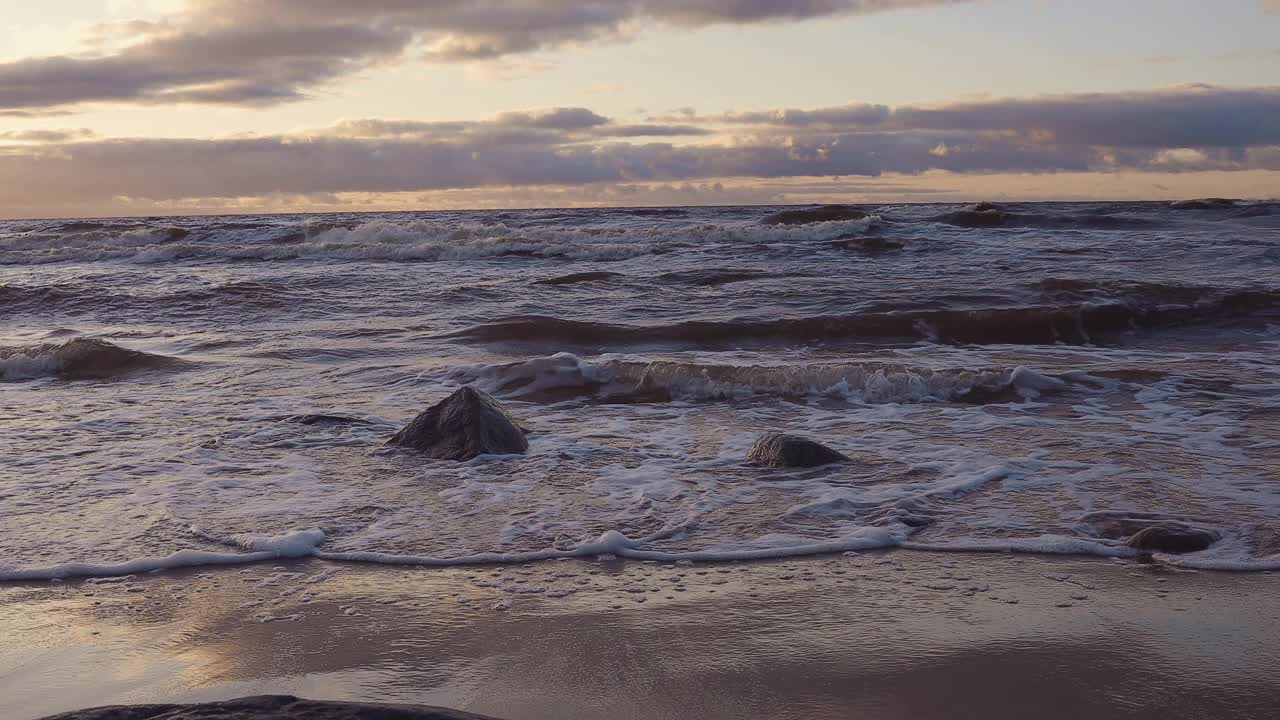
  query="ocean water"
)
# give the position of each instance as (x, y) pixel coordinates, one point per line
(1014, 379)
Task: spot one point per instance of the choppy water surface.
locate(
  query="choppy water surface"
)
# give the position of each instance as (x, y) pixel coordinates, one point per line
(1005, 379)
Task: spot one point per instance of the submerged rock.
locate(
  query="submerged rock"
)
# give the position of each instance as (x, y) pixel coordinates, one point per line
(826, 213)
(789, 451)
(1173, 538)
(866, 244)
(465, 424)
(270, 707)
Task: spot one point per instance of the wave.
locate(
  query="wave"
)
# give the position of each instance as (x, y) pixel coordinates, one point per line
(564, 376)
(809, 216)
(988, 215)
(576, 278)
(103, 296)
(1080, 322)
(16, 298)
(711, 277)
(1205, 204)
(399, 241)
(706, 277)
(82, 358)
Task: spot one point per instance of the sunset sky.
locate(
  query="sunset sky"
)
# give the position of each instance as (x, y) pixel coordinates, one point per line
(111, 107)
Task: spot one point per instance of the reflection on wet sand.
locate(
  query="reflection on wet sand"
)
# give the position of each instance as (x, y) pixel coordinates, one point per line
(897, 635)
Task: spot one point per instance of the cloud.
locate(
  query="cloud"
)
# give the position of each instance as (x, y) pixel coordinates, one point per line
(555, 119)
(1192, 115)
(550, 126)
(1192, 129)
(47, 136)
(263, 52)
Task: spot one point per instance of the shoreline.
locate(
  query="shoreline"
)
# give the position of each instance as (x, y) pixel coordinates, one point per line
(885, 634)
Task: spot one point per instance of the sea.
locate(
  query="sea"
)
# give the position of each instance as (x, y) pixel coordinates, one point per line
(1033, 378)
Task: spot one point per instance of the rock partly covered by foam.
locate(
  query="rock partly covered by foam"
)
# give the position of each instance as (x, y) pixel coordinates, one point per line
(826, 213)
(466, 424)
(1173, 538)
(272, 707)
(789, 451)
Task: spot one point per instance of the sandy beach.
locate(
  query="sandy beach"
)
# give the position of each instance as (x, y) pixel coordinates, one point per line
(882, 635)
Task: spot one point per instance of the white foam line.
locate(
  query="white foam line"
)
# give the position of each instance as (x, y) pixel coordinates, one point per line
(616, 544)
(180, 559)
(1263, 565)
(1043, 545)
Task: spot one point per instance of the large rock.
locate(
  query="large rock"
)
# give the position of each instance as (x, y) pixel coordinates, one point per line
(789, 451)
(1173, 538)
(466, 424)
(826, 213)
(272, 707)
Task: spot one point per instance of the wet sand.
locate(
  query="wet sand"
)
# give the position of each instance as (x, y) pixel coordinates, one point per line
(884, 635)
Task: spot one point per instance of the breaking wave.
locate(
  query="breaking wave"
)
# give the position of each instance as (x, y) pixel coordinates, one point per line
(987, 215)
(81, 358)
(391, 241)
(1079, 322)
(564, 375)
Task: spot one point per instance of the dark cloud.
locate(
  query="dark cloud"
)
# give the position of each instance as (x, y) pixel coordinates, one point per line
(1189, 116)
(556, 119)
(1185, 117)
(848, 117)
(1184, 130)
(258, 52)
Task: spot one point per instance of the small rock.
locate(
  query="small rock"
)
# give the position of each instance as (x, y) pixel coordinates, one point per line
(789, 451)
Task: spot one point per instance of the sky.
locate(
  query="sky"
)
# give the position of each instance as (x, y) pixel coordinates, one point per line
(145, 107)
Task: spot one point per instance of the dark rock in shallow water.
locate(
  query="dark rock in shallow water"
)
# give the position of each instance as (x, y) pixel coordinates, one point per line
(271, 707)
(466, 424)
(826, 213)
(866, 244)
(1173, 538)
(789, 451)
(985, 207)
